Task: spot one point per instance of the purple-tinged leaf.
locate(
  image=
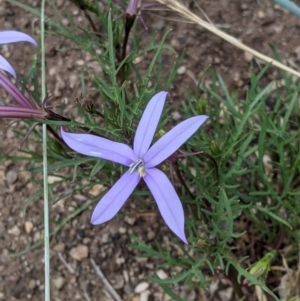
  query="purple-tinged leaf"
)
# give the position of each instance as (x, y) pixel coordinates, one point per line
(99, 147)
(115, 198)
(172, 140)
(14, 92)
(148, 124)
(12, 36)
(6, 66)
(167, 201)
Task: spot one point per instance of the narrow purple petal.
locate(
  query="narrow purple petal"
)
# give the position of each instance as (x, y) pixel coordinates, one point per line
(167, 201)
(148, 124)
(14, 92)
(172, 140)
(147, 5)
(6, 66)
(99, 147)
(115, 198)
(22, 113)
(11, 36)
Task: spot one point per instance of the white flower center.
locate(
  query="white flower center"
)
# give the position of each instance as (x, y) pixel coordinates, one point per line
(137, 166)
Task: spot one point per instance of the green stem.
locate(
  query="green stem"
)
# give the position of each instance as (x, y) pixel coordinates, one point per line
(45, 169)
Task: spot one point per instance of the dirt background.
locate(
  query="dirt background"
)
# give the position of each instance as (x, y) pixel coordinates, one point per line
(256, 23)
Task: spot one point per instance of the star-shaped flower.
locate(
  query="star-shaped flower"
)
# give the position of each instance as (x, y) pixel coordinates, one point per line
(141, 161)
(11, 36)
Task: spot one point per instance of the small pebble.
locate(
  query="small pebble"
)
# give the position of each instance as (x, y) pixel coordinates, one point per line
(137, 60)
(104, 238)
(28, 226)
(14, 231)
(80, 63)
(275, 29)
(96, 189)
(269, 16)
(86, 240)
(150, 266)
(11, 177)
(151, 235)
(217, 60)
(53, 179)
(118, 282)
(267, 161)
(80, 252)
(227, 294)
(248, 56)
(126, 276)
(73, 81)
(141, 287)
(261, 14)
(75, 12)
(176, 116)
(31, 284)
(122, 230)
(175, 43)
(65, 21)
(60, 247)
(120, 260)
(142, 260)
(59, 282)
(145, 295)
(52, 71)
(59, 3)
(57, 93)
(162, 274)
(130, 220)
(181, 70)
(37, 236)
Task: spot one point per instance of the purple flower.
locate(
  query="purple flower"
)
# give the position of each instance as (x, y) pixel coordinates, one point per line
(133, 9)
(11, 36)
(25, 109)
(141, 161)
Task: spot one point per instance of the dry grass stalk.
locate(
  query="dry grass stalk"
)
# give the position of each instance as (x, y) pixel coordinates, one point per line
(185, 12)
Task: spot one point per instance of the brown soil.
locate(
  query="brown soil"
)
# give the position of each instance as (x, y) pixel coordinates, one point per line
(256, 23)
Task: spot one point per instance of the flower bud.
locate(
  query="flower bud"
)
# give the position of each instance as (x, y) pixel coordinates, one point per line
(214, 148)
(261, 268)
(87, 104)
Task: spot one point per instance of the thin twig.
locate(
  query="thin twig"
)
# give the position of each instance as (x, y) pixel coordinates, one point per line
(185, 12)
(85, 294)
(107, 285)
(63, 261)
